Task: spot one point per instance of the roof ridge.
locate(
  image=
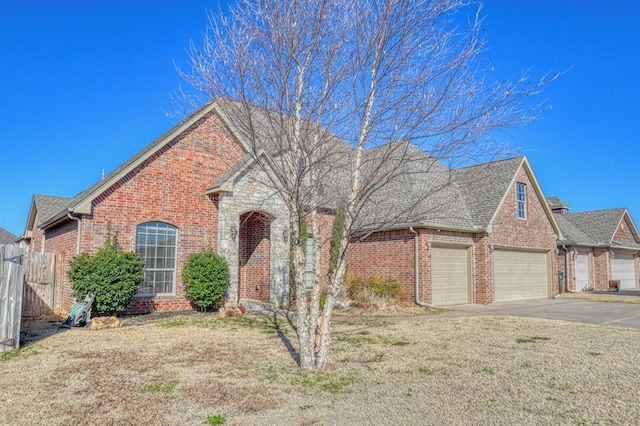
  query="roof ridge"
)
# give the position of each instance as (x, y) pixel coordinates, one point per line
(518, 157)
(600, 210)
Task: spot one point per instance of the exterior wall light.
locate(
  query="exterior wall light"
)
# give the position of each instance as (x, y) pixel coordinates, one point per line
(233, 232)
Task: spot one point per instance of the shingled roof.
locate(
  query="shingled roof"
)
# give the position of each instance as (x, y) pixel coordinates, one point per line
(7, 237)
(485, 185)
(571, 233)
(421, 191)
(414, 190)
(596, 228)
(46, 206)
(556, 203)
(262, 122)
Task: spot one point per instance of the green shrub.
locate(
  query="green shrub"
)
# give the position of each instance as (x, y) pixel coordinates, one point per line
(205, 276)
(376, 289)
(113, 275)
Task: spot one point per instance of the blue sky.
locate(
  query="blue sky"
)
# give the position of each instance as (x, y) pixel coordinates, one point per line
(85, 84)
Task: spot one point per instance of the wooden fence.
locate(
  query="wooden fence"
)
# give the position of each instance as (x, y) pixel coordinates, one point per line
(39, 297)
(11, 283)
(27, 289)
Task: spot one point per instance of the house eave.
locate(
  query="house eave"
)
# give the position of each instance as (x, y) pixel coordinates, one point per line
(225, 187)
(425, 225)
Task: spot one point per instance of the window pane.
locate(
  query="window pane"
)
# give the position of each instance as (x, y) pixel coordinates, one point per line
(156, 243)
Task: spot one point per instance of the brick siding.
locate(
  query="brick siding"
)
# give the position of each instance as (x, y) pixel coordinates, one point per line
(62, 240)
(391, 254)
(254, 255)
(533, 233)
(623, 233)
(168, 187)
(601, 269)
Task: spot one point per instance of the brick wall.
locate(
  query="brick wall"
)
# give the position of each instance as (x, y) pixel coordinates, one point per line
(63, 240)
(561, 267)
(387, 254)
(391, 253)
(623, 233)
(37, 237)
(254, 255)
(601, 269)
(534, 232)
(167, 187)
(483, 288)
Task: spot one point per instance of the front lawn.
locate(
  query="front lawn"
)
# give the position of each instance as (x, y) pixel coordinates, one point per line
(196, 369)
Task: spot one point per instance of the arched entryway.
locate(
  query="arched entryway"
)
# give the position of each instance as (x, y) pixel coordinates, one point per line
(254, 252)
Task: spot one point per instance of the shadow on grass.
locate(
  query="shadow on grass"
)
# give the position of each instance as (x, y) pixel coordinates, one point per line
(33, 330)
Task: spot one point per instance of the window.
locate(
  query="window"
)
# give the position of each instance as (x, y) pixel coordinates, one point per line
(156, 244)
(521, 197)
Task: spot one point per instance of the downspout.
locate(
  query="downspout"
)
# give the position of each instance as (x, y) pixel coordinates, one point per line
(566, 267)
(416, 269)
(77, 219)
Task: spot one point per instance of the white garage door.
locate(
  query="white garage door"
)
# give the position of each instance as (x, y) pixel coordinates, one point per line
(582, 270)
(623, 269)
(449, 276)
(520, 275)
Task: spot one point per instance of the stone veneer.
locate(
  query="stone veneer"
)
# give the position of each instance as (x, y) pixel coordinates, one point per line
(252, 193)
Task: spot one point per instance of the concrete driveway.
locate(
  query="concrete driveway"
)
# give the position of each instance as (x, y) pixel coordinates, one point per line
(565, 309)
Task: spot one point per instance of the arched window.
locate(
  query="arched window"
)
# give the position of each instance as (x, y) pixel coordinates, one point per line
(156, 244)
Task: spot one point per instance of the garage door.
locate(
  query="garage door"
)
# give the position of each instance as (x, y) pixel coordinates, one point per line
(520, 275)
(623, 269)
(582, 270)
(449, 276)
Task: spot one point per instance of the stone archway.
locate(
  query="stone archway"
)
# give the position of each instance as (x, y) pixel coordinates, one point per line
(254, 254)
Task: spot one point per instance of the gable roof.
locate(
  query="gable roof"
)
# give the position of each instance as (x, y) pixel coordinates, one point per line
(485, 185)
(462, 199)
(415, 190)
(7, 237)
(599, 226)
(81, 203)
(264, 124)
(571, 233)
(44, 207)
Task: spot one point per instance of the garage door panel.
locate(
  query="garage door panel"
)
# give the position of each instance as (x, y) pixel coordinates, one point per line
(449, 276)
(623, 269)
(520, 275)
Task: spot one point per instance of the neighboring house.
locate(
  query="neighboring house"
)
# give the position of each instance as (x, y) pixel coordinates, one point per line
(488, 237)
(598, 247)
(7, 237)
(42, 208)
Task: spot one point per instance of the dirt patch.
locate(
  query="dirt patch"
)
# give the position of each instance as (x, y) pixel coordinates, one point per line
(180, 369)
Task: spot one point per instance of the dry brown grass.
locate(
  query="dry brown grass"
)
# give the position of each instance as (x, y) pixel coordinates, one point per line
(178, 370)
(604, 297)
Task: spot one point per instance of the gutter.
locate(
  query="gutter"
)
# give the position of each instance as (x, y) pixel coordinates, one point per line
(431, 225)
(416, 270)
(77, 219)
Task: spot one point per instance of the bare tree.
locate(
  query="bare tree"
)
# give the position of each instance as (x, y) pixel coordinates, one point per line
(346, 102)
